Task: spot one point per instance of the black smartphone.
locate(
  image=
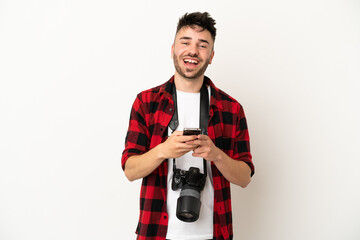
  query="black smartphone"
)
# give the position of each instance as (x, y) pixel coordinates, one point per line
(192, 131)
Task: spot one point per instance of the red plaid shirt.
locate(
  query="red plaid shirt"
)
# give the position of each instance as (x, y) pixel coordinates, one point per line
(150, 116)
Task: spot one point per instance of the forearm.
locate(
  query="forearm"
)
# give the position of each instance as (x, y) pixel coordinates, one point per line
(176, 145)
(237, 172)
(140, 166)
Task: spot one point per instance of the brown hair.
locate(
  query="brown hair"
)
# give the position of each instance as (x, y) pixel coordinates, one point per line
(203, 20)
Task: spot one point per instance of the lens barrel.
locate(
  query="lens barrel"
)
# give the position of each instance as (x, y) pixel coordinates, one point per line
(188, 204)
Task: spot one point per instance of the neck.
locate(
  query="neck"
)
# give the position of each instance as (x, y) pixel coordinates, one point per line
(188, 85)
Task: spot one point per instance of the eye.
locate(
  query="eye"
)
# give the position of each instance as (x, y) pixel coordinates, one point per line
(203, 46)
(185, 43)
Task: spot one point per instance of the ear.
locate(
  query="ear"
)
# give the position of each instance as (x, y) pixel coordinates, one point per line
(172, 50)
(211, 56)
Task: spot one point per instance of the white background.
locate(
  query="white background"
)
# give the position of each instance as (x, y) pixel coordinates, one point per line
(70, 71)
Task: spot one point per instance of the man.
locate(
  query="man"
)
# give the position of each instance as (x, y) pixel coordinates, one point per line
(155, 141)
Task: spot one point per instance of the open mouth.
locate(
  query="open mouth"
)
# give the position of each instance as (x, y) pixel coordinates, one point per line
(191, 62)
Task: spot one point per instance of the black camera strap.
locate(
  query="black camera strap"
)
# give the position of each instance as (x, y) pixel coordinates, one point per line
(204, 116)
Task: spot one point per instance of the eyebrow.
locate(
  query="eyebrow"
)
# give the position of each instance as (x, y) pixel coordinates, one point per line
(189, 38)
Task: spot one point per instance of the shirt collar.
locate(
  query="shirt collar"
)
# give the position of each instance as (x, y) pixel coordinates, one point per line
(215, 99)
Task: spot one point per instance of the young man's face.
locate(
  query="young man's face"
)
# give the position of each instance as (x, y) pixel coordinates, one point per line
(192, 51)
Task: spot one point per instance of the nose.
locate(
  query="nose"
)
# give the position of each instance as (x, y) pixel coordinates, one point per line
(193, 50)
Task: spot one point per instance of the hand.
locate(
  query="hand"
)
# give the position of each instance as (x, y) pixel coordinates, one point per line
(206, 149)
(177, 145)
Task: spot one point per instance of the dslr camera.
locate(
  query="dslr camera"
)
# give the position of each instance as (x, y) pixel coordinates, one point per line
(191, 183)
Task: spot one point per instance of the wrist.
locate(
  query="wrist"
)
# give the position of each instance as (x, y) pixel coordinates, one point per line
(160, 153)
(219, 156)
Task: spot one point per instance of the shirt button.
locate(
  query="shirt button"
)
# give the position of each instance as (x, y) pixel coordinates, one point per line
(170, 109)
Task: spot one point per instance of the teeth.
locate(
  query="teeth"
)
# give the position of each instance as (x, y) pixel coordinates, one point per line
(190, 61)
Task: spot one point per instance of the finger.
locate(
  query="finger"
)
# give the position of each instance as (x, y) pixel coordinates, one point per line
(202, 137)
(177, 137)
(186, 146)
(193, 141)
(187, 138)
(198, 142)
(177, 133)
(199, 150)
(198, 155)
(203, 142)
(192, 144)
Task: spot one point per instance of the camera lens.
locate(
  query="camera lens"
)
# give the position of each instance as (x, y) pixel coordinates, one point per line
(188, 204)
(187, 215)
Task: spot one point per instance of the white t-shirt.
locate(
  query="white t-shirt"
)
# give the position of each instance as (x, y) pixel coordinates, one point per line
(188, 105)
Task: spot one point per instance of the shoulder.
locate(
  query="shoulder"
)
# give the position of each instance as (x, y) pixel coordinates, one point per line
(154, 94)
(225, 97)
(225, 101)
(148, 93)
(220, 96)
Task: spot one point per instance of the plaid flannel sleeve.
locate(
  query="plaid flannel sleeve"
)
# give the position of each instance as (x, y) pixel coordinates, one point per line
(137, 137)
(242, 141)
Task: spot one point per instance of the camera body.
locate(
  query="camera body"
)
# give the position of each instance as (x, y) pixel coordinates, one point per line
(191, 182)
